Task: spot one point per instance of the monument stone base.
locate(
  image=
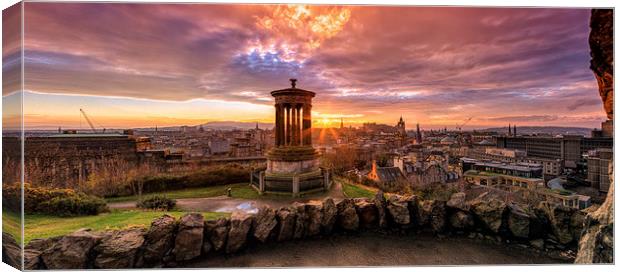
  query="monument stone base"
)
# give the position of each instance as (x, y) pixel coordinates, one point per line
(292, 171)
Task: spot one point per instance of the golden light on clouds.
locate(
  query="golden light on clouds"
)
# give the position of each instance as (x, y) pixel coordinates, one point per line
(135, 65)
(296, 31)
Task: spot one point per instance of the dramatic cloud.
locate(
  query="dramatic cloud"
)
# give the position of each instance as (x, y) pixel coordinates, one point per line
(436, 65)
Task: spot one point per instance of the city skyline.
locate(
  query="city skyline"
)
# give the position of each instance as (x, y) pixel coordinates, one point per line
(166, 65)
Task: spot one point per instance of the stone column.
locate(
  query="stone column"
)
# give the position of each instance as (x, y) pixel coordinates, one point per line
(281, 124)
(307, 126)
(300, 127)
(278, 125)
(288, 126)
(295, 124)
(292, 131)
(261, 183)
(295, 186)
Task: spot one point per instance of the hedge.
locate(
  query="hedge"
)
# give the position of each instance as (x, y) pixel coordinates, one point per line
(60, 202)
(157, 203)
(209, 176)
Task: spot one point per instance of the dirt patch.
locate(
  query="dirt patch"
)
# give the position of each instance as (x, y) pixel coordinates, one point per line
(370, 249)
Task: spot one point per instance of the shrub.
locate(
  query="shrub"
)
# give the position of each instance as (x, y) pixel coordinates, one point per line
(72, 205)
(157, 203)
(11, 197)
(208, 176)
(435, 191)
(62, 202)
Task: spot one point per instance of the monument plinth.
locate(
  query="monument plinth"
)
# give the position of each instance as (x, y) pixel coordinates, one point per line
(293, 164)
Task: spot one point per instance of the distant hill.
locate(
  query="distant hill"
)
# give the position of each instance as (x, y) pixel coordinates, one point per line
(543, 130)
(217, 125)
(230, 125)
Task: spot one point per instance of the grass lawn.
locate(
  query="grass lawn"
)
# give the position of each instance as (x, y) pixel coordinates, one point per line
(354, 191)
(44, 226)
(239, 190)
(11, 224)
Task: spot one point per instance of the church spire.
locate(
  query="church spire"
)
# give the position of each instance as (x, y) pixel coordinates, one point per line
(418, 134)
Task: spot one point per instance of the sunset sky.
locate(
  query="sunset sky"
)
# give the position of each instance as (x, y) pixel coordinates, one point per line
(141, 65)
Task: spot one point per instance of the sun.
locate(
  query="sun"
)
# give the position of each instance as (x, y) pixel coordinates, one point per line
(325, 122)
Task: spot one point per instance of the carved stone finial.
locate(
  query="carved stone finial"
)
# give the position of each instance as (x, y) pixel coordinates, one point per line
(293, 82)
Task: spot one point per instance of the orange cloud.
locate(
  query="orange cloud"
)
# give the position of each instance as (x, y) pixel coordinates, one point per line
(295, 31)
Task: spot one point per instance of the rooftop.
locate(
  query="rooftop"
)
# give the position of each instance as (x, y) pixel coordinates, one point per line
(293, 90)
(86, 135)
(517, 167)
(491, 174)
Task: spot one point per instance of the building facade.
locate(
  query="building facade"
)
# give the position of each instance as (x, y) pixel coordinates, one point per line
(550, 167)
(598, 168)
(568, 148)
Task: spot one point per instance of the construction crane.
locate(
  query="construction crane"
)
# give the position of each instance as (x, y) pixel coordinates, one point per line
(90, 123)
(459, 127)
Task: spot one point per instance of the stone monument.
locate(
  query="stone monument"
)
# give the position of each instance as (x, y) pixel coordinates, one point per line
(292, 164)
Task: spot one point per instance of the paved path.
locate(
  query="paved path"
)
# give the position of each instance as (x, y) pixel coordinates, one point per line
(370, 249)
(228, 204)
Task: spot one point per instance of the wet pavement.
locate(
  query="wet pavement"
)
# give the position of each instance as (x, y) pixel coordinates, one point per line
(228, 204)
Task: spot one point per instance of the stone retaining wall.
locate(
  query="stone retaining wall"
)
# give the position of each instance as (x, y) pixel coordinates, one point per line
(169, 242)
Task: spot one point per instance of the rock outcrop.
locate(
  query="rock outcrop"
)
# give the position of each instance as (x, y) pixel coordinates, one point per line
(264, 224)
(33, 251)
(559, 218)
(490, 212)
(301, 221)
(41, 244)
(398, 211)
(240, 224)
(72, 251)
(118, 249)
(314, 212)
(381, 204)
(189, 238)
(596, 243)
(158, 241)
(11, 251)
(330, 213)
(216, 231)
(286, 224)
(32, 259)
(602, 55)
(367, 212)
(518, 221)
(457, 201)
(347, 216)
(461, 220)
(438, 214)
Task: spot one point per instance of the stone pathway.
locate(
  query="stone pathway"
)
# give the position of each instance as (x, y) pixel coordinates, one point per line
(228, 204)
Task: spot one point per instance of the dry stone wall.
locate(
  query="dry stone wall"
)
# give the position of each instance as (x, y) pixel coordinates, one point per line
(169, 242)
